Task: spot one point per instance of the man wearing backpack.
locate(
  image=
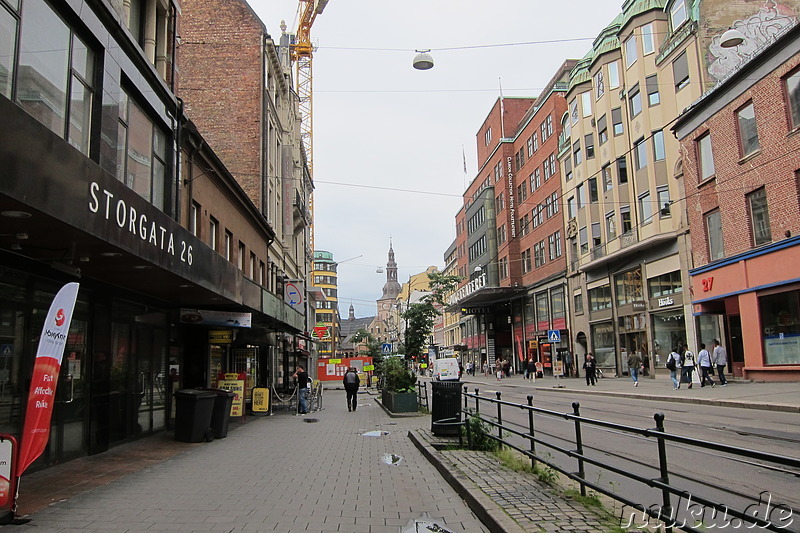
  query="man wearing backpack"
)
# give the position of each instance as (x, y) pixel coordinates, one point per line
(674, 367)
(351, 383)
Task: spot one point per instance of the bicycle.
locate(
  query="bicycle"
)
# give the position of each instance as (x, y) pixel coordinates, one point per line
(314, 398)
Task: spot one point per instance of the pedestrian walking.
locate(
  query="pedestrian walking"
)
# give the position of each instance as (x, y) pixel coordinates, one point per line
(531, 368)
(498, 366)
(720, 359)
(674, 366)
(634, 364)
(351, 382)
(687, 366)
(302, 389)
(485, 369)
(704, 362)
(590, 368)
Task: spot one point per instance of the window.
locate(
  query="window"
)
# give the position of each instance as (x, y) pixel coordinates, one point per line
(487, 136)
(664, 202)
(716, 248)
(759, 216)
(252, 266)
(592, 190)
(705, 156)
(648, 39)
(599, 84)
(503, 267)
(55, 73)
(680, 71)
(522, 191)
(568, 168)
(611, 227)
(535, 138)
(651, 83)
(586, 104)
(659, 152)
(571, 208)
(554, 245)
(581, 190)
(526, 261)
(613, 75)
(577, 300)
(536, 179)
(213, 233)
(554, 201)
(553, 164)
(625, 217)
(530, 147)
(576, 153)
(597, 240)
(665, 285)
(630, 51)
(501, 234)
(228, 245)
(524, 224)
(500, 201)
(629, 287)
(602, 130)
(635, 99)
(543, 131)
(573, 111)
(240, 257)
(677, 15)
(616, 121)
(589, 141)
(748, 134)
(793, 96)
(607, 179)
(600, 298)
(622, 170)
(194, 219)
(261, 268)
(584, 238)
(549, 122)
(646, 208)
(640, 151)
(538, 254)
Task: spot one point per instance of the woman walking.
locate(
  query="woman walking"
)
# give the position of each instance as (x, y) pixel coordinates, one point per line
(687, 367)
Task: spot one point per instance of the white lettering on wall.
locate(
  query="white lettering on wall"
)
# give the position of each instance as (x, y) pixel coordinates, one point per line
(126, 217)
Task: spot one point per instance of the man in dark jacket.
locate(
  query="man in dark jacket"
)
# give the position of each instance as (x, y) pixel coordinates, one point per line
(351, 383)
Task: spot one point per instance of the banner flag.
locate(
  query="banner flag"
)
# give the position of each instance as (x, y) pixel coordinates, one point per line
(42, 394)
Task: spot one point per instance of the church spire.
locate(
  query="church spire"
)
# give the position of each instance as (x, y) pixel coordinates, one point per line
(392, 288)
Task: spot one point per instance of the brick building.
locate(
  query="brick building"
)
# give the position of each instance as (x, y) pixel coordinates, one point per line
(741, 155)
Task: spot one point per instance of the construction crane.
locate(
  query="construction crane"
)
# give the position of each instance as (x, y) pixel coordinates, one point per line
(301, 52)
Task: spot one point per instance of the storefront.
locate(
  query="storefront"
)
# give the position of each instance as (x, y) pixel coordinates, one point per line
(755, 296)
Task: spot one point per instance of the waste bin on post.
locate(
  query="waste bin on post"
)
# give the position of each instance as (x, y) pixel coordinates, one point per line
(445, 406)
(193, 409)
(221, 414)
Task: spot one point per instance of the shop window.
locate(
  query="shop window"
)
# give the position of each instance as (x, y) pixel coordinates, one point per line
(759, 217)
(603, 344)
(629, 287)
(780, 327)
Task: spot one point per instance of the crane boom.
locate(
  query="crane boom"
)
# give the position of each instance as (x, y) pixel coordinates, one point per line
(302, 52)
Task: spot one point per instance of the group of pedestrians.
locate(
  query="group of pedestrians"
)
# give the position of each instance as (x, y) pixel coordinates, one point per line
(684, 364)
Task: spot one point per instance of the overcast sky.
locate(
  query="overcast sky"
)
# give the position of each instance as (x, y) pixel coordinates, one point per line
(389, 141)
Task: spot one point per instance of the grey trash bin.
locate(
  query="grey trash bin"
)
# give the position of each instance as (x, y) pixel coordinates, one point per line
(193, 410)
(445, 406)
(221, 414)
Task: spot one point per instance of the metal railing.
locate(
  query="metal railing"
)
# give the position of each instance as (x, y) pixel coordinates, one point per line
(422, 395)
(665, 513)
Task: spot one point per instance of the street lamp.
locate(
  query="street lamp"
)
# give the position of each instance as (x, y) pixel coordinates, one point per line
(423, 60)
(731, 38)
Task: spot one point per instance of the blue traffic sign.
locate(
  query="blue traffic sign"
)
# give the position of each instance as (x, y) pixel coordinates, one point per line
(386, 348)
(554, 335)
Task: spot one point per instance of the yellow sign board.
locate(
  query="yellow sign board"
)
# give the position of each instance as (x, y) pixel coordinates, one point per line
(369, 368)
(260, 403)
(423, 365)
(236, 386)
(220, 336)
(335, 361)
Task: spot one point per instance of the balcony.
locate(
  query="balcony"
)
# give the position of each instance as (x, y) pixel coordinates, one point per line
(629, 238)
(598, 251)
(300, 213)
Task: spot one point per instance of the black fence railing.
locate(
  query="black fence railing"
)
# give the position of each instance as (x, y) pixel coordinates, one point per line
(422, 395)
(681, 507)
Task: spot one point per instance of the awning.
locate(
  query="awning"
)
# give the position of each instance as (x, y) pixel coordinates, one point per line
(487, 296)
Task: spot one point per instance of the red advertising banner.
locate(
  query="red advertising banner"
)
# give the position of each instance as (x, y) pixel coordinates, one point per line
(36, 428)
(8, 447)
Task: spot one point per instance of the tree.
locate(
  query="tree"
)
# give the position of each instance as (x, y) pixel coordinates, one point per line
(419, 316)
(363, 336)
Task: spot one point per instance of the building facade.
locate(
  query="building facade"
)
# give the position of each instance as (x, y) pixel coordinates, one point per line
(740, 164)
(108, 184)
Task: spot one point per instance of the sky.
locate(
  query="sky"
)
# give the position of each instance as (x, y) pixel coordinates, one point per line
(390, 142)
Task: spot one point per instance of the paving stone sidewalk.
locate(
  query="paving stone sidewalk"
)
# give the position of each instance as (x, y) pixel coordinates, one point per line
(509, 501)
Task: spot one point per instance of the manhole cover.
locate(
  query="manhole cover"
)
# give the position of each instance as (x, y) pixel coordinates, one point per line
(375, 434)
(391, 459)
(310, 420)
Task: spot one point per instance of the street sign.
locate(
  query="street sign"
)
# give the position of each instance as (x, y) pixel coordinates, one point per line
(386, 348)
(554, 335)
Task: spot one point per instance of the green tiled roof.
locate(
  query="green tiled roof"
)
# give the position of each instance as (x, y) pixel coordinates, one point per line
(631, 8)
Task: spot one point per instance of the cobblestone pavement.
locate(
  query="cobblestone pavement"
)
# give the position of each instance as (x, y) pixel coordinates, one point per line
(280, 473)
(503, 494)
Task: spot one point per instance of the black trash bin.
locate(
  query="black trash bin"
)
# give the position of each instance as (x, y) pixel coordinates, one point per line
(445, 406)
(221, 415)
(193, 410)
